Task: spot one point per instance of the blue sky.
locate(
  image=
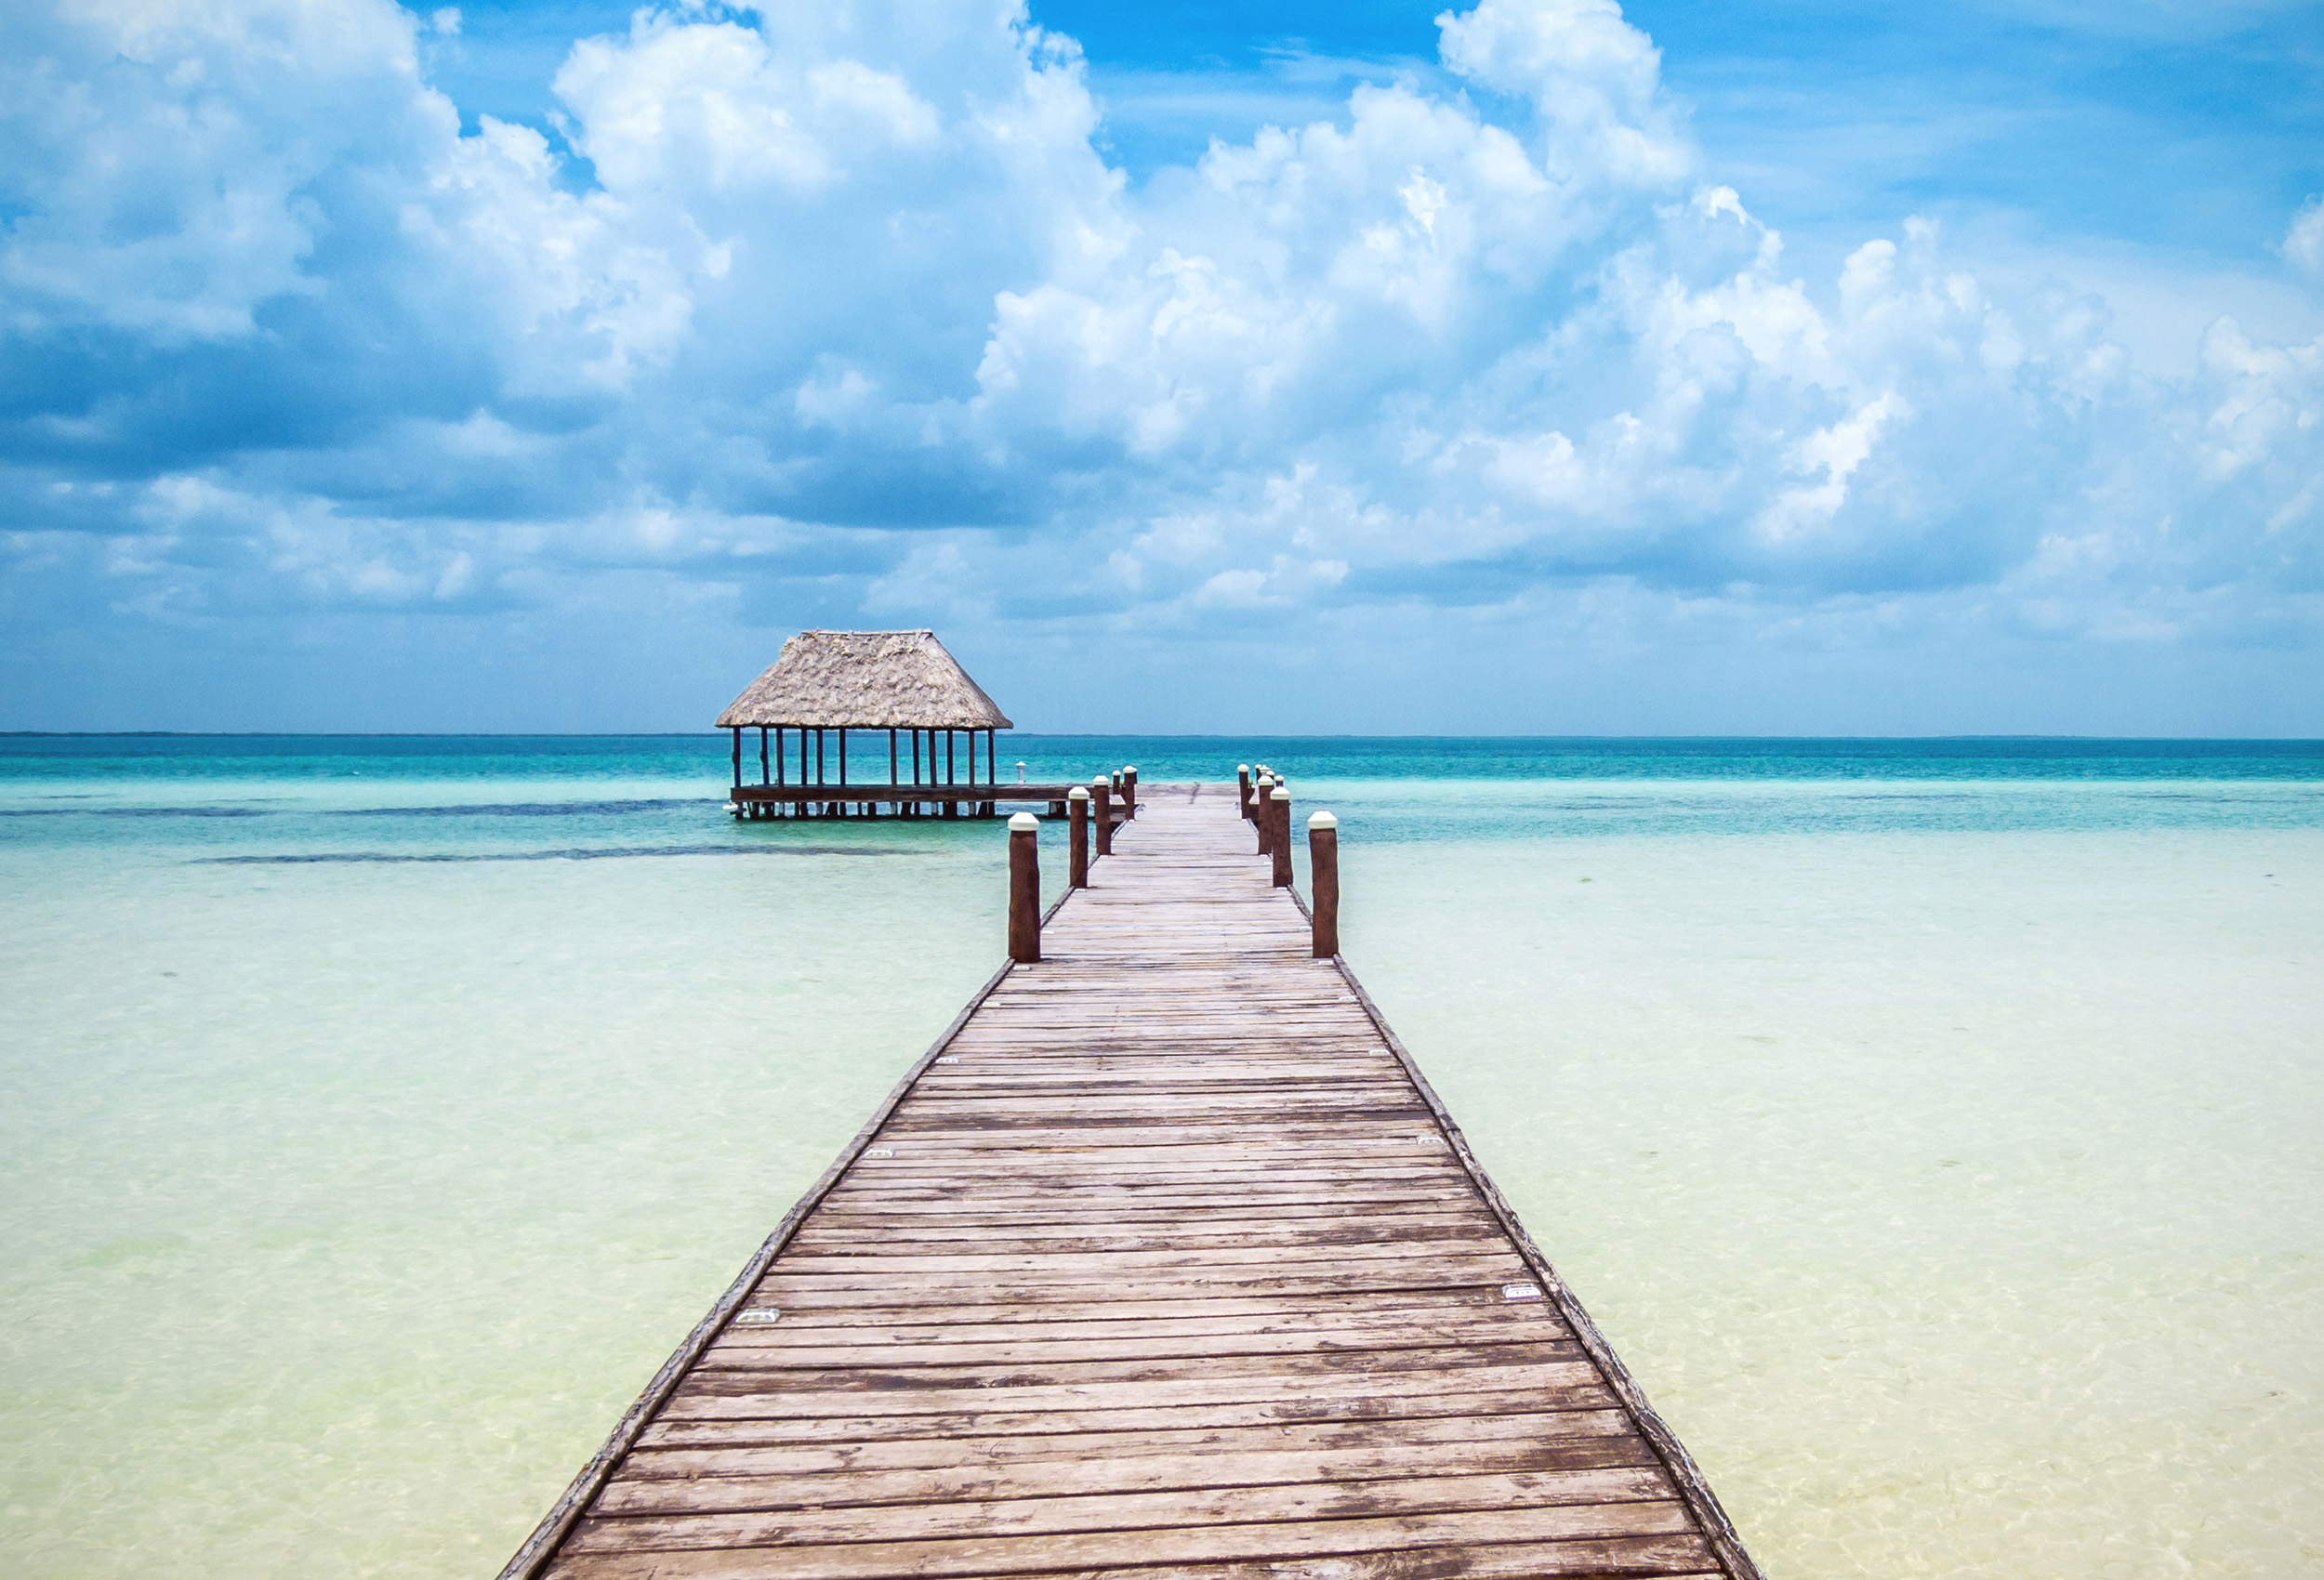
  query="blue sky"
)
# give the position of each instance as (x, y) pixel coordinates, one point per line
(1538, 368)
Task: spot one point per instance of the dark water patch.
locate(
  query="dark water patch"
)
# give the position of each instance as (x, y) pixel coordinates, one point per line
(132, 812)
(178, 812)
(605, 852)
(530, 808)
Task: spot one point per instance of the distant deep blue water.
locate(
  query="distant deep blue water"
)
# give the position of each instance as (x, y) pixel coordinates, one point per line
(354, 797)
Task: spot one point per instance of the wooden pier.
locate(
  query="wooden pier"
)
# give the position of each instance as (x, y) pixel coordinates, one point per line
(903, 800)
(1162, 1264)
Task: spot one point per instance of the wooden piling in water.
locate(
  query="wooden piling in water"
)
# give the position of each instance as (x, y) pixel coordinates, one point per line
(1323, 885)
(1077, 844)
(1024, 888)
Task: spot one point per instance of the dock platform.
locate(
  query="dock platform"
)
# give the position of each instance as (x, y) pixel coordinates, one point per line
(1164, 1263)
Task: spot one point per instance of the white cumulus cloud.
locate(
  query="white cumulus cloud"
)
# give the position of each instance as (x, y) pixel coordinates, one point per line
(833, 311)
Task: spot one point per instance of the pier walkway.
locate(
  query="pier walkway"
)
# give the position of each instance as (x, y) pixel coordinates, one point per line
(1162, 1264)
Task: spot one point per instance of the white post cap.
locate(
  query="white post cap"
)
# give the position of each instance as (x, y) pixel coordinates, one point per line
(1242, 768)
(1281, 793)
(1265, 778)
(1322, 819)
(1021, 762)
(1024, 823)
(1131, 769)
(1100, 782)
(1076, 794)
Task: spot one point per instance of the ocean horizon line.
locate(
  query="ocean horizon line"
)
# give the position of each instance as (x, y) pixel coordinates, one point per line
(1129, 735)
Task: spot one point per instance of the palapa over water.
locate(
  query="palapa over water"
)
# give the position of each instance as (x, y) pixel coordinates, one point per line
(865, 680)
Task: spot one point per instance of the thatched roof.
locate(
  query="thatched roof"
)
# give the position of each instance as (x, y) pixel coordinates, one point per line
(865, 681)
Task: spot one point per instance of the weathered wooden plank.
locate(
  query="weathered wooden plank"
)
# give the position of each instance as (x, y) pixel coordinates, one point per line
(728, 1394)
(860, 1309)
(1043, 1259)
(734, 1424)
(841, 1349)
(1095, 1232)
(1552, 1526)
(1418, 1439)
(1210, 1507)
(839, 1289)
(733, 1491)
(1412, 1548)
(1039, 1330)
(1089, 1372)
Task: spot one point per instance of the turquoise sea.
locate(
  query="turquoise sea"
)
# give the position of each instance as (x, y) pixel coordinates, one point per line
(1935, 1127)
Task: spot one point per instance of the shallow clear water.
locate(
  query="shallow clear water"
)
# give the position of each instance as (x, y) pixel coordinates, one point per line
(1933, 1126)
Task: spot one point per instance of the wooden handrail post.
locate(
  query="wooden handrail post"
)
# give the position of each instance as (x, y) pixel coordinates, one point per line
(1129, 793)
(1024, 888)
(1101, 812)
(1260, 788)
(1323, 882)
(1280, 845)
(1077, 848)
(1242, 789)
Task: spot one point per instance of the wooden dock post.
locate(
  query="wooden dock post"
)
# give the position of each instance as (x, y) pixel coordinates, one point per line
(1024, 888)
(1242, 786)
(1101, 812)
(1279, 846)
(1129, 793)
(1323, 882)
(1078, 857)
(1261, 789)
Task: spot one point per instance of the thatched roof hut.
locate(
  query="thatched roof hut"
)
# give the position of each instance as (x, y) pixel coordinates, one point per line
(865, 680)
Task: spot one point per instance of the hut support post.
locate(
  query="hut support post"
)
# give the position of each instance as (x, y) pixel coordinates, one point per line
(1077, 844)
(1024, 888)
(952, 776)
(840, 805)
(916, 767)
(992, 773)
(1323, 882)
(766, 771)
(1279, 844)
(802, 764)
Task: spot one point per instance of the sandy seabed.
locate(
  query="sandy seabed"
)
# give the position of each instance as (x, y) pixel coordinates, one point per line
(1956, 1195)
